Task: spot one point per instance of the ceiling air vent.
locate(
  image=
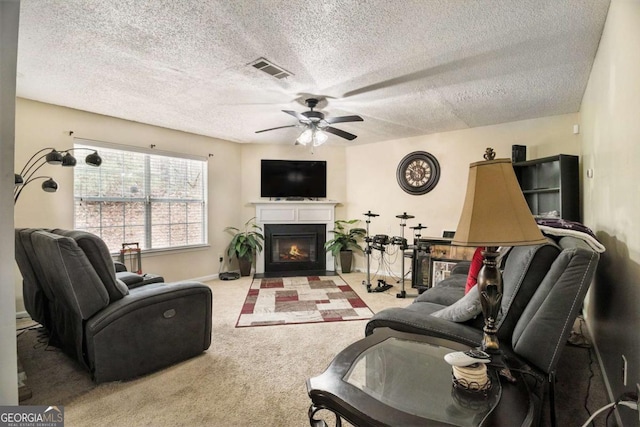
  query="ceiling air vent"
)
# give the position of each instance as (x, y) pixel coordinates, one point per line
(270, 68)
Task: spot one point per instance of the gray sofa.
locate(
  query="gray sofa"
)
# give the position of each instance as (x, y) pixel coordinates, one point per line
(544, 287)
(70, 287)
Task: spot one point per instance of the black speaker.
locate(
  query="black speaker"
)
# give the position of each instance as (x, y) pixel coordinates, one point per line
(518, 153)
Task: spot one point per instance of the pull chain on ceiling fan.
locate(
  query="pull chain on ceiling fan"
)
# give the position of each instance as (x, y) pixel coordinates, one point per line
(316, 126)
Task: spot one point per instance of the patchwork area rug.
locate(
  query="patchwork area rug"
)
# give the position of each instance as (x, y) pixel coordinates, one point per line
(290, 300)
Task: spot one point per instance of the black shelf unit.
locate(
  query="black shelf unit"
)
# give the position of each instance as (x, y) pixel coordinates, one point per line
(551, 184)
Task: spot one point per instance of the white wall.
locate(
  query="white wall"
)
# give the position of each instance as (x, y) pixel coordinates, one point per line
(371, 175)
(9, 16)
(611, 148)
(40, 125)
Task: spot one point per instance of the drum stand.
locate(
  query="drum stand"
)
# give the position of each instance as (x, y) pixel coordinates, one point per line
(403, 246)
(382, 286)
(367, 250)
(417, 248)
(380, 242)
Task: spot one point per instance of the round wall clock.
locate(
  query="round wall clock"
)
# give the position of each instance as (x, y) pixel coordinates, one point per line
(418, 172)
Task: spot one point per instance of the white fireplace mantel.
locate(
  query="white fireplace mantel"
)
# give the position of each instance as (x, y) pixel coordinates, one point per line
(296, 212)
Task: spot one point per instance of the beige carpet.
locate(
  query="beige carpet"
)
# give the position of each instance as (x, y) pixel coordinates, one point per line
(248, 377)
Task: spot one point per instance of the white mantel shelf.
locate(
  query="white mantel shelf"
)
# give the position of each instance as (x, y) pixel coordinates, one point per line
(295, 212)
(297, 202)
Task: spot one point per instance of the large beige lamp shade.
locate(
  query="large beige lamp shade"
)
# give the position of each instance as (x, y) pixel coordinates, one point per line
(495, 213)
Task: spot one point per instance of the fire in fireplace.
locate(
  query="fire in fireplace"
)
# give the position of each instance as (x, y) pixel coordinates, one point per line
(294, 247)
(294, 252)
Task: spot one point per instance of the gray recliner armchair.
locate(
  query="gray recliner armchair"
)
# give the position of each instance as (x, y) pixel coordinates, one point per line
(544, 287)
(117, 333)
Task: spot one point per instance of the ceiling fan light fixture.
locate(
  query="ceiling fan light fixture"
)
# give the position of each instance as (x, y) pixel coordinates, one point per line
(319, 138)
(313, 136)
(316, 127)
(305, 137)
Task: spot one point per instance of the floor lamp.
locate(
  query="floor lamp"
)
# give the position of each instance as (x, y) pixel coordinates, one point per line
(495, 213)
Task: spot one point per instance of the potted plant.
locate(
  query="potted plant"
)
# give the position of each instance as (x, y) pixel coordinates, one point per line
(344, 242)
(245, 244)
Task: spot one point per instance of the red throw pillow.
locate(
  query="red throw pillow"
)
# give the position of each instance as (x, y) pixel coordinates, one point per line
(474, 269)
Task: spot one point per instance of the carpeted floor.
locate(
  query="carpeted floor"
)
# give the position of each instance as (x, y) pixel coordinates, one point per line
(248, 377)
(580, 389)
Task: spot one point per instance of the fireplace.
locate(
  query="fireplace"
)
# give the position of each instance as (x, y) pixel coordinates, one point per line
(294, 247)
(282, 212)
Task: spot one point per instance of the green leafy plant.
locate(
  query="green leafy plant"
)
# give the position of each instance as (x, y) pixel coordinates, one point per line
(345, 238)
(246, 242)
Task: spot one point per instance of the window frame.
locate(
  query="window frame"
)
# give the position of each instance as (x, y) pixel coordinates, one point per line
(147, 200)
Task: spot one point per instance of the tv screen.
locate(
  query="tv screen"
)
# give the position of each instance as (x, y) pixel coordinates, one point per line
(293, 178)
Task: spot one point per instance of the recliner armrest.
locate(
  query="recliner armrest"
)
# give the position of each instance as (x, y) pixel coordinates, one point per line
(119, 266)
(145, 296)
(130, 279)
(416, 319)
(134, 280)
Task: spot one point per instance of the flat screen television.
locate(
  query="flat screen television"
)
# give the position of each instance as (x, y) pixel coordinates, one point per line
(293, 178)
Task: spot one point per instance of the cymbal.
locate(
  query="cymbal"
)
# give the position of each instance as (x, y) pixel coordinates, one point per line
(405, 216)
(370, 214)
(418, 227)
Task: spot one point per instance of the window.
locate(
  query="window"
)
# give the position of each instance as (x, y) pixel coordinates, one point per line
(155, 199)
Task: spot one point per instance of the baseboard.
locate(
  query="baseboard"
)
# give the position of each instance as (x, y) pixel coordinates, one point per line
(205, 278)
(603, 372)
(22, 315)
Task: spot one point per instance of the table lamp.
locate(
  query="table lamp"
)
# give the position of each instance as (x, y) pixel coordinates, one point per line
(495, 213)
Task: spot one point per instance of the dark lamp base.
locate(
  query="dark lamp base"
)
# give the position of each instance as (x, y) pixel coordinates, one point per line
(490, 289)
(490, 343)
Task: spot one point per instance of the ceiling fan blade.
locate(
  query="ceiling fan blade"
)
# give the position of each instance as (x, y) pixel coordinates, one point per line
(279, 127)
(340, 133)
(297, 115)
(343, 119)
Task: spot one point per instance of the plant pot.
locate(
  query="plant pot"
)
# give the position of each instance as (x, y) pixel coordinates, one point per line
(245, 266)
(346, 258)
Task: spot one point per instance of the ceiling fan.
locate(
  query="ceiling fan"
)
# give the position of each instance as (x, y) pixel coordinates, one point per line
(315, 125)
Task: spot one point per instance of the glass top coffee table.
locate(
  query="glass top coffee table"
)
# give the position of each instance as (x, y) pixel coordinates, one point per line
(397, 379)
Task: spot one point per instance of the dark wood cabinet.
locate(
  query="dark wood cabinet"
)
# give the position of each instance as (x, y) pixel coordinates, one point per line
(551, 186)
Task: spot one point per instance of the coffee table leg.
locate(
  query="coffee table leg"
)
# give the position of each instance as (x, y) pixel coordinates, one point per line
(320, 423)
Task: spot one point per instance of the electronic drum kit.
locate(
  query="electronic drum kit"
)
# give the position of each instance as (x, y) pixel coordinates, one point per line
(380, 242)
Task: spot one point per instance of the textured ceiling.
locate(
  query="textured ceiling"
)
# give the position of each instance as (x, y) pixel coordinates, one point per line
(408, 67)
